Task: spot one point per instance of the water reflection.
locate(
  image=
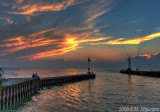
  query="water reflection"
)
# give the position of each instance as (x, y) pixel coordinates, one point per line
(70, 97)
(132, 93)
(129, 78)
(107, 92)
(133, 79)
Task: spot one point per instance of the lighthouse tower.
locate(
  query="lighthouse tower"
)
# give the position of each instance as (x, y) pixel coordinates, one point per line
(129, 64)
(89, 69)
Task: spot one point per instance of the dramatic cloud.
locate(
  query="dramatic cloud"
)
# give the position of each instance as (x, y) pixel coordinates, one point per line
(75, 29)
(59, 38)
(67, 42)
(19, 43)
(135, 40)
(32, 7)
(131, 41)
(70, 43)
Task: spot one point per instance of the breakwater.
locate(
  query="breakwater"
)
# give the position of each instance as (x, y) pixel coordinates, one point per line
(142, 73)
(65, 79)
(16, 89)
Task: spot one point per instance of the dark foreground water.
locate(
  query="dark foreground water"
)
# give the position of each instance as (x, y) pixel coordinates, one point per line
(109, 92)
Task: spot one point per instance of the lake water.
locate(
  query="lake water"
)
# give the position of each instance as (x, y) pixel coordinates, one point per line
(109, 92)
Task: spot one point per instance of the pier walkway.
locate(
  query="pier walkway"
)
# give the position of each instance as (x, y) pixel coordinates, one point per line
(14, 81)
(65, 79)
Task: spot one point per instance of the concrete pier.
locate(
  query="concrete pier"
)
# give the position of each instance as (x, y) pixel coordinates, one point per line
(16, 89)
(142, 73)
(65, 79)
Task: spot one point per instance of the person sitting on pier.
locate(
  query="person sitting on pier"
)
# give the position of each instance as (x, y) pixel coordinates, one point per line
(36, 76)
(33, 76)
(91, 72)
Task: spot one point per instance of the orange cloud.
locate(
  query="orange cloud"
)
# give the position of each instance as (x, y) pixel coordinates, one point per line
(157, 53)
(11, 50)
(70, 43)
(29, 40)
(21, 42)
(148, 56)
(93, 40)
(50, 53)
(14, 42)
(7, 20)
(131, 41)
(32, 8)
(35, 43)
(135, 40)
(143, 55)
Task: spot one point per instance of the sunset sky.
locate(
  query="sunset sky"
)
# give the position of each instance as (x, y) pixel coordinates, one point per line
(60, 31)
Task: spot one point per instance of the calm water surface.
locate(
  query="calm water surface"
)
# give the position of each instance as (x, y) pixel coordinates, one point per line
(107, 93)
